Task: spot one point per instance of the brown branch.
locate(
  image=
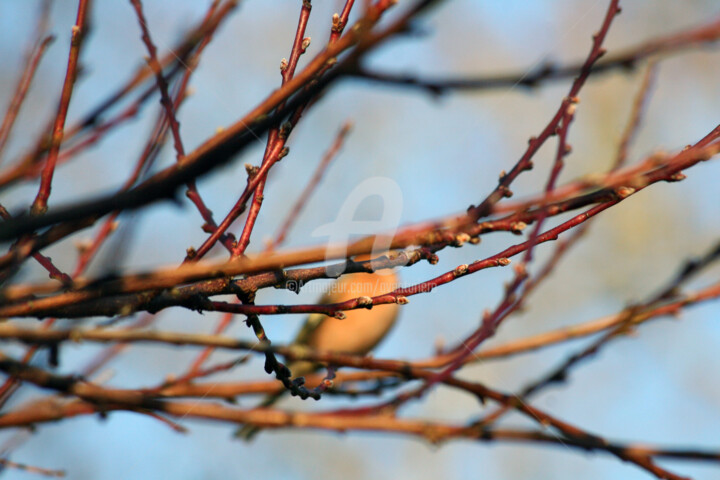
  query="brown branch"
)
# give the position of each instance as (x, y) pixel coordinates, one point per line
(21, 90)
(21, 247)
(166, 278)
(627, 60)
(339, 21)
(31, 468)
(633, 125)
(220, 149)
(301, 201)
(621, 325)
(110, 399)
(277, 137)
(435, 433)
(510, 303)
(275, 140)
(149, 154)
(525, 163)
(642, 97)
(173, 61)
(171, 107)
(160, 80)
(39, 206)
(35, 336)
(609, 187)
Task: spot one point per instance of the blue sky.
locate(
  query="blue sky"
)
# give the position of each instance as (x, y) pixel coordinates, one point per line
(444, 154)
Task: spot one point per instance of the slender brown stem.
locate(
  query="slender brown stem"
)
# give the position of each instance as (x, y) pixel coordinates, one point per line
(39, 206)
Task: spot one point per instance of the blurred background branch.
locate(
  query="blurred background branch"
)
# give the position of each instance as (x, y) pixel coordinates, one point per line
(616, 215)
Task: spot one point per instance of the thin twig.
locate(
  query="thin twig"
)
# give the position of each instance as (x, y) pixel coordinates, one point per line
(39, 206)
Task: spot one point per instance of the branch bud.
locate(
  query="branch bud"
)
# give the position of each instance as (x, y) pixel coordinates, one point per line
(337, 25)
(460, 270)
(517, 227)
(283, 153)
(624, 192)
(365, 302)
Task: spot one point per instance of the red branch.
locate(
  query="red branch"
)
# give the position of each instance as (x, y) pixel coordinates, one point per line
(21, 90)
(78, 31)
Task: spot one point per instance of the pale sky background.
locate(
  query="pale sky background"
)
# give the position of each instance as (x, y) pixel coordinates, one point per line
(444, 154)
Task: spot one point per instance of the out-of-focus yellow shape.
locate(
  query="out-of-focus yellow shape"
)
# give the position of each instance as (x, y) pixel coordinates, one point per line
(358, 333)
